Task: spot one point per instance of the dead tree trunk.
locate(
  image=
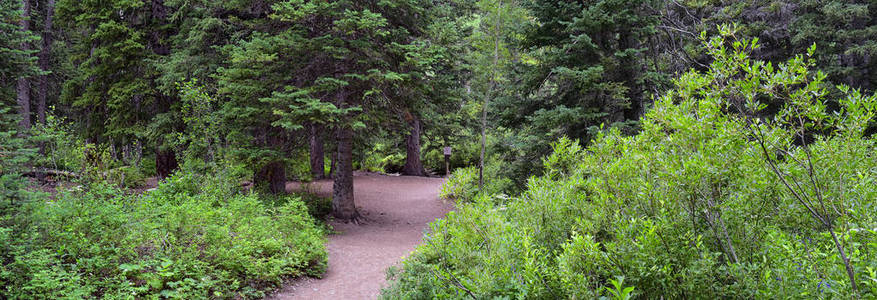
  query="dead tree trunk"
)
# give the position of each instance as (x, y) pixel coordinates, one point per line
(318, 166)
(23, 87)
(45, 51)
(343, 206)
(413, 164)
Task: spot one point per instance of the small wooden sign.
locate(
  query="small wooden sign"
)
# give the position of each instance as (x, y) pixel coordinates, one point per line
(448, 151)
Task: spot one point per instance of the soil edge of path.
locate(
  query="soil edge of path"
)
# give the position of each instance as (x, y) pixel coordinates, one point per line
(396, 212)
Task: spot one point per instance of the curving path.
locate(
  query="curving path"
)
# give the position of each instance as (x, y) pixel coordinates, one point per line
(396, 210)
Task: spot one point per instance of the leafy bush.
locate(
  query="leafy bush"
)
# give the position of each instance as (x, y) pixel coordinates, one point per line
(63, 150)
(192, 237)
(383, 157)
(318, 207)
(744, 183)
(465, 151)
(462, 186)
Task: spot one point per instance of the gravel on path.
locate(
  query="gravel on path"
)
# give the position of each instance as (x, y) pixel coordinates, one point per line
(396, 211)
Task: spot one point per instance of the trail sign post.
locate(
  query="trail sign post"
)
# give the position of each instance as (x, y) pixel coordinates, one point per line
(447, 152)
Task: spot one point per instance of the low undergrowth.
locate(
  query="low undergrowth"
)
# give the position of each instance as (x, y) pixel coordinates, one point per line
(193, 237)
(462, 185)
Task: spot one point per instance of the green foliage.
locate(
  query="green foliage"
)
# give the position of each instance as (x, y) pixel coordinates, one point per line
(618, 290)
(113, 55)
(746, 179)
(184, 240)
(382, 156)
(201, 137)
(583, 65)
(318, 207)
(691, 207)
(14, 62)
(376, 162)
(63, 149)
(16, 150)
(466, 150)
(462, 186)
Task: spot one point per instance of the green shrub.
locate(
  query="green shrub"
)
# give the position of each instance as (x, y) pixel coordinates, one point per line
(192, 237)
(318, 207)
(298, 166)
(715, 198)
(383, 158)
(465, 152)
(462, 185)
(63, 150)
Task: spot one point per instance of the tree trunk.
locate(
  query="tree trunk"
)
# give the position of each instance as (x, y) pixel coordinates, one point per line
(343, 206)
(23, 88)
(318, 167)
(271, 178)
(165, 163)
(45, 51)
(413, 164)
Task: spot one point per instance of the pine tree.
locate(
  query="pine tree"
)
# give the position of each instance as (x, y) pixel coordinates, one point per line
(343, 53)
(23, 87)
(114, 91)
(15, 62)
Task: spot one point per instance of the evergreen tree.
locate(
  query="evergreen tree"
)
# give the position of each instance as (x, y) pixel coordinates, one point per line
(114, 91)
(347, 54)
(845, 34)
(259, 67)
(591, 69)
(15, 61)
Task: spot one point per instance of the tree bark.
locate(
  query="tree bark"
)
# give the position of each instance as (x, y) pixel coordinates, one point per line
(271, 178)
(318, 166)
(343, 206)
(23, 88)
(165, 163)
(45, 51)
(413, 164)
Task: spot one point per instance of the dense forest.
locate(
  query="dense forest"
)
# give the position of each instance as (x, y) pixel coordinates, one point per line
(623, 149)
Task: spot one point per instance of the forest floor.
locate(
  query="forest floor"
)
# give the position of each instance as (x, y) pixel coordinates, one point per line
(396, 211)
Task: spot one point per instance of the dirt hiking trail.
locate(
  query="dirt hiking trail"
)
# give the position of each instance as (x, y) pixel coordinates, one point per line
(396, 210)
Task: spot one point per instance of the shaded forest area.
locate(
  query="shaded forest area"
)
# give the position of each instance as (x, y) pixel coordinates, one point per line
(687, 149)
